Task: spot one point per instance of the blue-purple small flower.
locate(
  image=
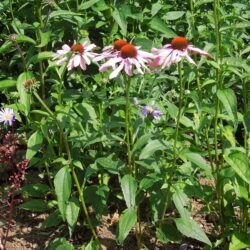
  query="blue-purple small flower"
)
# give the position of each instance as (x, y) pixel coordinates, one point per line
(7, 116)
(151, 111)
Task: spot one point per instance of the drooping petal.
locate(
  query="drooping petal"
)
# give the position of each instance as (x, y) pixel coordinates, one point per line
(85, 57)
(198, 51)
(70, 65)
(116, 72)
(89, 47)
(82, 64)
(138, 66)
(110, 63)
(76, 60)
(190, 59)
(66, 47)
(128, 66)
(61, 61)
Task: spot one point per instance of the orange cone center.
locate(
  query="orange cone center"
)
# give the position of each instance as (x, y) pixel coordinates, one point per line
(179, 43)
(119, 44)
(128, 50)
(77, 48)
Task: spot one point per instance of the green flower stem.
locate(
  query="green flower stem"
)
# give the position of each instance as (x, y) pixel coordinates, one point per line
(128, 123)
(218, 58)
(197, 75)
(175, 155)
(65, 140)
(130, 142)
(245, 214)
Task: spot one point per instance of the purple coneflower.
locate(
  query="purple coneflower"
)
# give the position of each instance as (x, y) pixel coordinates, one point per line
(174, 52)
(110, 51)
(7, 116)
(128, 56)
(81, 55)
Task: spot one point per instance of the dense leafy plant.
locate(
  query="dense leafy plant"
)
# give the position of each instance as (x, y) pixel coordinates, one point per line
(140, 143)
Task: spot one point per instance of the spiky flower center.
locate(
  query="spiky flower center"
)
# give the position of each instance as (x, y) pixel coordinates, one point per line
(128, 50)
(150, 110)
(77, 48)
(118, 44)
(179, 43)
(7, 116)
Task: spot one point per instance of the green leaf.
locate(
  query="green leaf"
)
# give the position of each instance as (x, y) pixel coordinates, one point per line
(239, 241)
(173, 15)
(181, 201)
(44, 38)
(145, 43)
(34, 144)
(92, 245)
(121, 20)
(87, 112)
(45, 55)
(97, 196)
(199, 161)
(63, 184)
(111, 166)
(63, 13)
(240, 164)
(60, 244)
(186, 225)
(5, 84)
(191, 229)
(168, 233)
(25, 98)
(141, 142)
(246, 122)
(25, 39)
(72, 212)
(127, 221)
(53, 220)
(35, 205)
(36, 189)
(157, 24)
(6, 46)
(152, 147)
(129, 188)
(88, 4)
(229, 101)
(201, 2)
(156, 7)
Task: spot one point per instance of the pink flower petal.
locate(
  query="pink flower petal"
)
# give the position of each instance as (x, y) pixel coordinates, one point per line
(198, 51)
(128, 66)
(82, 64)
(66, 48)
(76, 60)
(116, 72)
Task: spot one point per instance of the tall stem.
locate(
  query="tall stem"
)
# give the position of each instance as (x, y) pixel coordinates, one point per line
(219, 192)
(128, 122)
(80, 192)
(175, 155)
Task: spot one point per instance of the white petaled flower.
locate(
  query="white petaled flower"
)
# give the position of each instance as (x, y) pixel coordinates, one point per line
(175, 52)
(110, 51)
(128, 56)
(7, 116)
(81, 55)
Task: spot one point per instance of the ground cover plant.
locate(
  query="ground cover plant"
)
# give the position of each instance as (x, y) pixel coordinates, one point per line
(126, 116)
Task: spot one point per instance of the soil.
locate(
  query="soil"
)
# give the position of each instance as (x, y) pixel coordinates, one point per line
(27, 233)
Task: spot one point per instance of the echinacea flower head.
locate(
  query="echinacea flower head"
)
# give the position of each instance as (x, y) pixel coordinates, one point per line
(151, 111)
(111, 50)
(174, 52)
(79, 54)
(128, 56)
(7, 116)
